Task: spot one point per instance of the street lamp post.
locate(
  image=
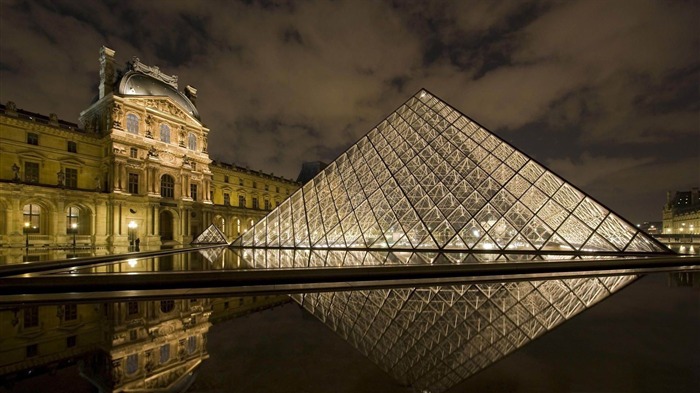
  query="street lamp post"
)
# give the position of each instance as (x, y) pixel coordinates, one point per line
(74, 229)
(26, 235)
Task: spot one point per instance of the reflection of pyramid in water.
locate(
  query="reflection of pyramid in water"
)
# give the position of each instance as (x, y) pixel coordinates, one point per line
(433, 338)
(211, 235)
(427, 177)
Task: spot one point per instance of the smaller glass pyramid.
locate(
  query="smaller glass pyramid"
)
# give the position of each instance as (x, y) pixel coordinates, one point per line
(211, 235)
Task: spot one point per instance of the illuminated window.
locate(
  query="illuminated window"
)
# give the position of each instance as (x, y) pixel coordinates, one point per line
(72, 217)
(71, 179)
(165, 133)
(31, 172)
(72, 147)
(167, 186)
(238, 225)
(132, 123)
(192, 141)
(32, 216)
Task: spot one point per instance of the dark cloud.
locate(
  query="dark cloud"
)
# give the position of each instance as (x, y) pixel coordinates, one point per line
(576, 84)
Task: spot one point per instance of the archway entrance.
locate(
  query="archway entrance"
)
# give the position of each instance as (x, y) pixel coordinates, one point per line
(166, 226)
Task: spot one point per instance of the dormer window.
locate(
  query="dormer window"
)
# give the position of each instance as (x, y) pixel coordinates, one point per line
(192, 141)
(132, 123)
(164, 133)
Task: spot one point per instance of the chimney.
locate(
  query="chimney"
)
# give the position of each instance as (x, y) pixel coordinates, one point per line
(191, 93)
(107, 71)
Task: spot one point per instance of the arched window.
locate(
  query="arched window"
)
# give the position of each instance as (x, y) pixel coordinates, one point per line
(192, 141)
(72, 219)
(32, 217)
(167, 186)
(238, 226)
(132, 123)
(165, 133)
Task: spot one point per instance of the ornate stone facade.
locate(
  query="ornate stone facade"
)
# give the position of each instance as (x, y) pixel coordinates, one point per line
(135, 167)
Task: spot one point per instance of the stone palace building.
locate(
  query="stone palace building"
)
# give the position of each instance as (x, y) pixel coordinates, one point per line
(133, 170)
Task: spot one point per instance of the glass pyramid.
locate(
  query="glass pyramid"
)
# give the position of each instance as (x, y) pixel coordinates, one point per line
(433, 338)
(211, 235)
(429, 178)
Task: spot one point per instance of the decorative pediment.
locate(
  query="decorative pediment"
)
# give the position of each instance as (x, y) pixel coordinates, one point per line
(164, 105)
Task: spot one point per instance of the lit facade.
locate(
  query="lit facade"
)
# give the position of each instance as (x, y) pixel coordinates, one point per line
(681, 213)
(135, 167)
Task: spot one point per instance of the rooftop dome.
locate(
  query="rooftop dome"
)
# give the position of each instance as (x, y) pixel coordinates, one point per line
(135, 83)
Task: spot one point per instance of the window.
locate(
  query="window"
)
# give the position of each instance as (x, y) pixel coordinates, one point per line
(132, 363)
(32, 350)
(164, 353)
(255, 203)
(134, 152)
(192, 141)
(266, 187)
(255, 185)
(277, 189)
(167, 306)
(192, 341)
(72, 147)
(133, 334)
(193, 165)
(71, 178)
(167, 186)
(32, 138)
(72, 217)
(70, 312)
(31, 172)
(31, 317)
(225, 179)
(133, 183)
(32, 216)
(267, 204)
(132, 123)
(164, 133)
(241, 200)
(238, 225)
(71, 341)
(227, 199)
(240, 182)
(132, 309)
(193, 192)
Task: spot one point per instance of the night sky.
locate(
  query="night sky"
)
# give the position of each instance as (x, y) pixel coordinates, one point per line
(605, 93)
